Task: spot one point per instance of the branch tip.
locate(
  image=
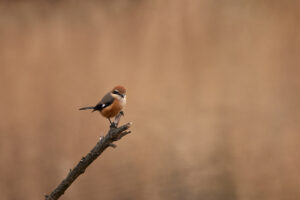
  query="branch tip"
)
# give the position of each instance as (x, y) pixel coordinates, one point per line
(112, 145)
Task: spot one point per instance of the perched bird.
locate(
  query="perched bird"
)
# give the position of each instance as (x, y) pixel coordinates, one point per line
(111, 104)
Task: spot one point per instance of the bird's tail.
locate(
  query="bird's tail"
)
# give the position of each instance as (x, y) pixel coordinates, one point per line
(87, 108)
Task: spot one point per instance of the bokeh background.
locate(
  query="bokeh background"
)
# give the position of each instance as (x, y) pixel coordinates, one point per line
(213, 92)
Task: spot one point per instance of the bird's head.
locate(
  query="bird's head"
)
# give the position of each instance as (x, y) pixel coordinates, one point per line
(119, 92)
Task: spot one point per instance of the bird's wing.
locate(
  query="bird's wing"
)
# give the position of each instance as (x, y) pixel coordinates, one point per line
(105, 101)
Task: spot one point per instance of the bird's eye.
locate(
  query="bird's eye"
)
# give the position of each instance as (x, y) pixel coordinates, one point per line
(115, 92)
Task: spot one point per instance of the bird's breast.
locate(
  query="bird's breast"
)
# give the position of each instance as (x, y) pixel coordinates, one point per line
(123, 101)
(113, 109)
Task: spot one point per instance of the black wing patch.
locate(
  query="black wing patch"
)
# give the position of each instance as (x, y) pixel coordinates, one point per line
(102, 106)
(107, 100)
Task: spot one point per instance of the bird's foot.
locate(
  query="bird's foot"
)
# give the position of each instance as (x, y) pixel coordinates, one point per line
(113, 125)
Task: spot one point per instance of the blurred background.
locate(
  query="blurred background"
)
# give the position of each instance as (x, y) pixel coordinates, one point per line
(213, 94)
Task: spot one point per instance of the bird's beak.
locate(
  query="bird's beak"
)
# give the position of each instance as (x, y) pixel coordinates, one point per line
(122, 95)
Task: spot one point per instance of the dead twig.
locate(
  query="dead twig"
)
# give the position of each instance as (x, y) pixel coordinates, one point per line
(113, 135)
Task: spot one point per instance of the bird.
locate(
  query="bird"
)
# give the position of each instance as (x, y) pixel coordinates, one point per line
(111, 104)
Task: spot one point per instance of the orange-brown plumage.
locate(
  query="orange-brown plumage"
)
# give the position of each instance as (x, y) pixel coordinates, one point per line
(120, 88)
(111, 104)
(111, 110)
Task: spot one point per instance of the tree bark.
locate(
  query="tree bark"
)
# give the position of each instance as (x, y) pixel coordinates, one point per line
(113, 135)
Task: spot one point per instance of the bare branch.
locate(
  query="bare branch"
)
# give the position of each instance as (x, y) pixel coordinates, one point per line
(113, 134)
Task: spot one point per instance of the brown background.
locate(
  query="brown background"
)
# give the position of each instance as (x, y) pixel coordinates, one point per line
(213, 92)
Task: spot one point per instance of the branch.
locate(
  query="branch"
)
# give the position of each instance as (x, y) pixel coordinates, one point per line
(113, 135)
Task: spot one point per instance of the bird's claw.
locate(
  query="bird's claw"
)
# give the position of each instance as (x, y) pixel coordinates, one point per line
(113, 125)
